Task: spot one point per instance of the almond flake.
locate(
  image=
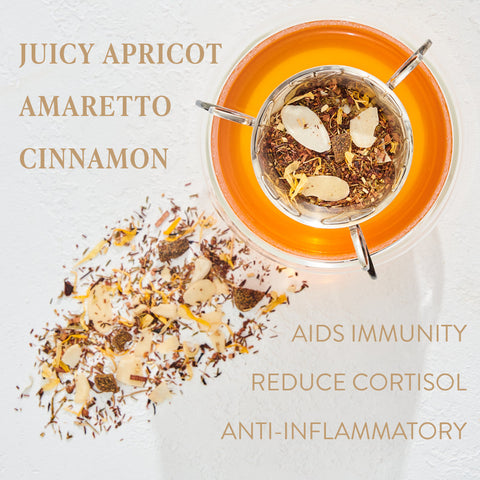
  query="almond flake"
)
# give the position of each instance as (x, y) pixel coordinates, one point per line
(199, 292)
(327, 188)
(165, 274)
(82, 389)
(129, 366)
(221, 287)
(305, 127)
(202, 269)
(362, 127)
(160, 393)
(166, 310)
(144, 345)
(72, 355)
(99, 309)
(218, 340)
(214, 318)
(170, 344)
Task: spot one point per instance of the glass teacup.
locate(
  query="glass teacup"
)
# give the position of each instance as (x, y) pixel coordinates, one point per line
(350, 211)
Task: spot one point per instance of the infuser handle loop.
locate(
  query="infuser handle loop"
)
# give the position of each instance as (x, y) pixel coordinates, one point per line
(226, 113)
(409, 65)
(361, 250)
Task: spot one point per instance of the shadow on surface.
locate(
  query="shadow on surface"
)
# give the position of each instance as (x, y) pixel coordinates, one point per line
(408, 290)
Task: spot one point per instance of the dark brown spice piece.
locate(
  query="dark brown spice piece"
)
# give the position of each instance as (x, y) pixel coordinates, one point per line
(68, 288)
(106, 382)
(246, 298)
(340, 144)
(169, 250)
(120, 339)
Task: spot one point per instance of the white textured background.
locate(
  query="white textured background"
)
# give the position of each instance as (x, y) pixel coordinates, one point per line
(44, 214)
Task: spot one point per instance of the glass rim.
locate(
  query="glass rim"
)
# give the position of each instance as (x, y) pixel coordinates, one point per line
(318, 265)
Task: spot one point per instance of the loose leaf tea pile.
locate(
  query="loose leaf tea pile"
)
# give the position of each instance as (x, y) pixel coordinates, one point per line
(333, 131)
(151, 306)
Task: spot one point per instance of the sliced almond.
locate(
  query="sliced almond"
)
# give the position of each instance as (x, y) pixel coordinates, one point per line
(160, 393)
(214, 318)
(128, 367)
(51, 383)
(221, 287)
(190, 349)
(99, 309)
(170, 344)
(165, 274)
(82, 389)
(167, 310)
(218, 340)
(46, 371)
(202, 269)
(72, 355)
(305, 127)
(140, 310)
(199, 292)
(326, 188)
(362, 127)
(143, 347)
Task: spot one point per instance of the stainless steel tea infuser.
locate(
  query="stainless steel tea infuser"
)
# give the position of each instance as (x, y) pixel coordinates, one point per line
(301, 210)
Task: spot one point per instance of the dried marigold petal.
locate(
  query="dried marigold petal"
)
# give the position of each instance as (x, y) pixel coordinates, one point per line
(121, 236)
(102, 245)
(276, 300)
